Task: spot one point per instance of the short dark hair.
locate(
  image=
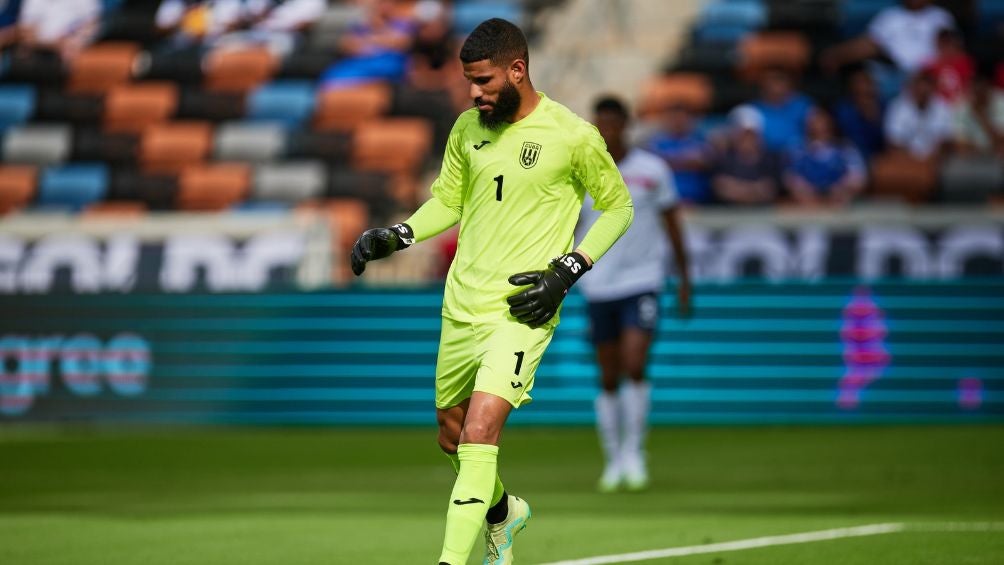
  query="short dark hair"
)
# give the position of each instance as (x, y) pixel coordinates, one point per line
(612, 104)
(496, 40)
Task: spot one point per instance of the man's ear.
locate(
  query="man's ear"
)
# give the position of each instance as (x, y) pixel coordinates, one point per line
(517, 71)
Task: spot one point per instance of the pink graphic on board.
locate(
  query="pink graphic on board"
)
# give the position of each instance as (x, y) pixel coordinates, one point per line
(865, 356)
(970, 393)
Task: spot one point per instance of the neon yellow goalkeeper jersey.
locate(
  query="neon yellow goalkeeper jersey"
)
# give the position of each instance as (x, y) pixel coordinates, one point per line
(518, 192)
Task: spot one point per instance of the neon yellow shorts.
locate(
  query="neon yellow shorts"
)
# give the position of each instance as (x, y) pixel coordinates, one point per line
(499, 358)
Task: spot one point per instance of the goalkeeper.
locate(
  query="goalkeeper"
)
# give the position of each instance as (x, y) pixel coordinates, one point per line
(515, 172)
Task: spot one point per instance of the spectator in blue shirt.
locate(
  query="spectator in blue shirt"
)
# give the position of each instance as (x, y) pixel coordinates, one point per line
(784, 110)
(826, 170)
(686, 152)
(861, 113)
(745, 172)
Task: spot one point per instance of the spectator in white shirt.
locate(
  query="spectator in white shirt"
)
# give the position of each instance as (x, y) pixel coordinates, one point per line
(918, 121)
(906, 34)
(63, 27)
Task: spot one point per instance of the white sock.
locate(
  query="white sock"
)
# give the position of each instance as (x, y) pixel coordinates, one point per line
(635, 406)
(608, 419)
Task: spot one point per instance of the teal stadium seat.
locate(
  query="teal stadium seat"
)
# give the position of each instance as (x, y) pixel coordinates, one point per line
(288, 101)
(467, 14)
(72, 186)
(856, 14)
(17, 104)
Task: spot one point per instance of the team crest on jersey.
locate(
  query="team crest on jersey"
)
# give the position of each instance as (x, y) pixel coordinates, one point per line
(528, 155)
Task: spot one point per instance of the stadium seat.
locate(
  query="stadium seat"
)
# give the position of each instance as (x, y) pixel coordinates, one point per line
(181, 66)
(372, 188)
(93, 144)
(750, 14)
(334, 147)
(154, 191)
(17, 186)
(899, 176)
(345, 108)
(287, 101)
(133, 107)
(786, 49)
(690, 89)
(172, 146)
(306, 64)
(195, 103)
(37, 144)
(856, 14)
(238, 70)
(17, 104)
(823, 15)
(468, 14)
(117, 210)
(72, 186)
(706, 58)
(99, 67)
(328, 30)
(974, 179)
(289, 181)
(212, 187)
(242, 141)
(58, 106)
(719, 34)
(395, 145)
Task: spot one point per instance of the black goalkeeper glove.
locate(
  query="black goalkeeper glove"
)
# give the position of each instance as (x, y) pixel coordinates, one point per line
(378, 243)
(539, 303)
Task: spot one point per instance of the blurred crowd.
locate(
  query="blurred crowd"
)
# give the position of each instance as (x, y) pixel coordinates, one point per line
(911, 97)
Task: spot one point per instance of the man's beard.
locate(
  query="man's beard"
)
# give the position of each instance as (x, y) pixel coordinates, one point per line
(503, 109)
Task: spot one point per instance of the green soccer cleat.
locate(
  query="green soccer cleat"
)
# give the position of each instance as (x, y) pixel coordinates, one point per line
(611, 479)
(498, 537)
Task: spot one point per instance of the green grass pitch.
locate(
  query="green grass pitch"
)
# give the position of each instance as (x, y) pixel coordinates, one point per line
(378, 496)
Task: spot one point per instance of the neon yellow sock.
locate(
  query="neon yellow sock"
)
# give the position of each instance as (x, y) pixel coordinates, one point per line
(469, 500)
(499, 487)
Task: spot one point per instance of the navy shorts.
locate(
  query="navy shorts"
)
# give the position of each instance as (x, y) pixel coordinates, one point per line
(608, 319)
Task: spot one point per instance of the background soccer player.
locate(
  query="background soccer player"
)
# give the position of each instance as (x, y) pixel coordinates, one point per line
(514, 174)
(623, 298)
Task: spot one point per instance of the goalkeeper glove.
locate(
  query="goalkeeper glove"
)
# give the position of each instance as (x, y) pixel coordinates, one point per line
(539, 303)
(378, 243)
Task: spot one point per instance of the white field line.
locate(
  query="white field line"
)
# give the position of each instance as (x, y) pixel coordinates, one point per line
(767, 541)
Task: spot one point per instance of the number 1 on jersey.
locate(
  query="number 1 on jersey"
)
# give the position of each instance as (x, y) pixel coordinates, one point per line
(498, 188)
(519, 361)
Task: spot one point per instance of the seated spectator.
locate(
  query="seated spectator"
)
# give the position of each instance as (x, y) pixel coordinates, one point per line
(273, 23)
(376, 49)
(906, 34)
(783, 109)
(745, 172)
(825, 170)
(189, 23)
(860, 114)
(60, 27)
(979, 120)
(952, 68)
(686, 152)
(919, 122)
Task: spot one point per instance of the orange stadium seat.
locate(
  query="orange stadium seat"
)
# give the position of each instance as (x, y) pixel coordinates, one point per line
(99, 67)
(396, 146)
(785, 49)
(690, 89)
(212, 187)
(17, 186)
(899, 176)
(239, 70)
(345, 108)
(119, 210)
(168, 147)
(132, 107)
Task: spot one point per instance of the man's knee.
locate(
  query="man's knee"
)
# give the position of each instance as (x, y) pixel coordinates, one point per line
(481, 432)
(449, 431)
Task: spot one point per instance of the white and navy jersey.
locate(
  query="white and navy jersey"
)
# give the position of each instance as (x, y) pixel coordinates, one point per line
(637, 262)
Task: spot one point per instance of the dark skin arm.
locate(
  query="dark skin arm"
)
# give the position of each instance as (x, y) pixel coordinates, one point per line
(671, 218)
